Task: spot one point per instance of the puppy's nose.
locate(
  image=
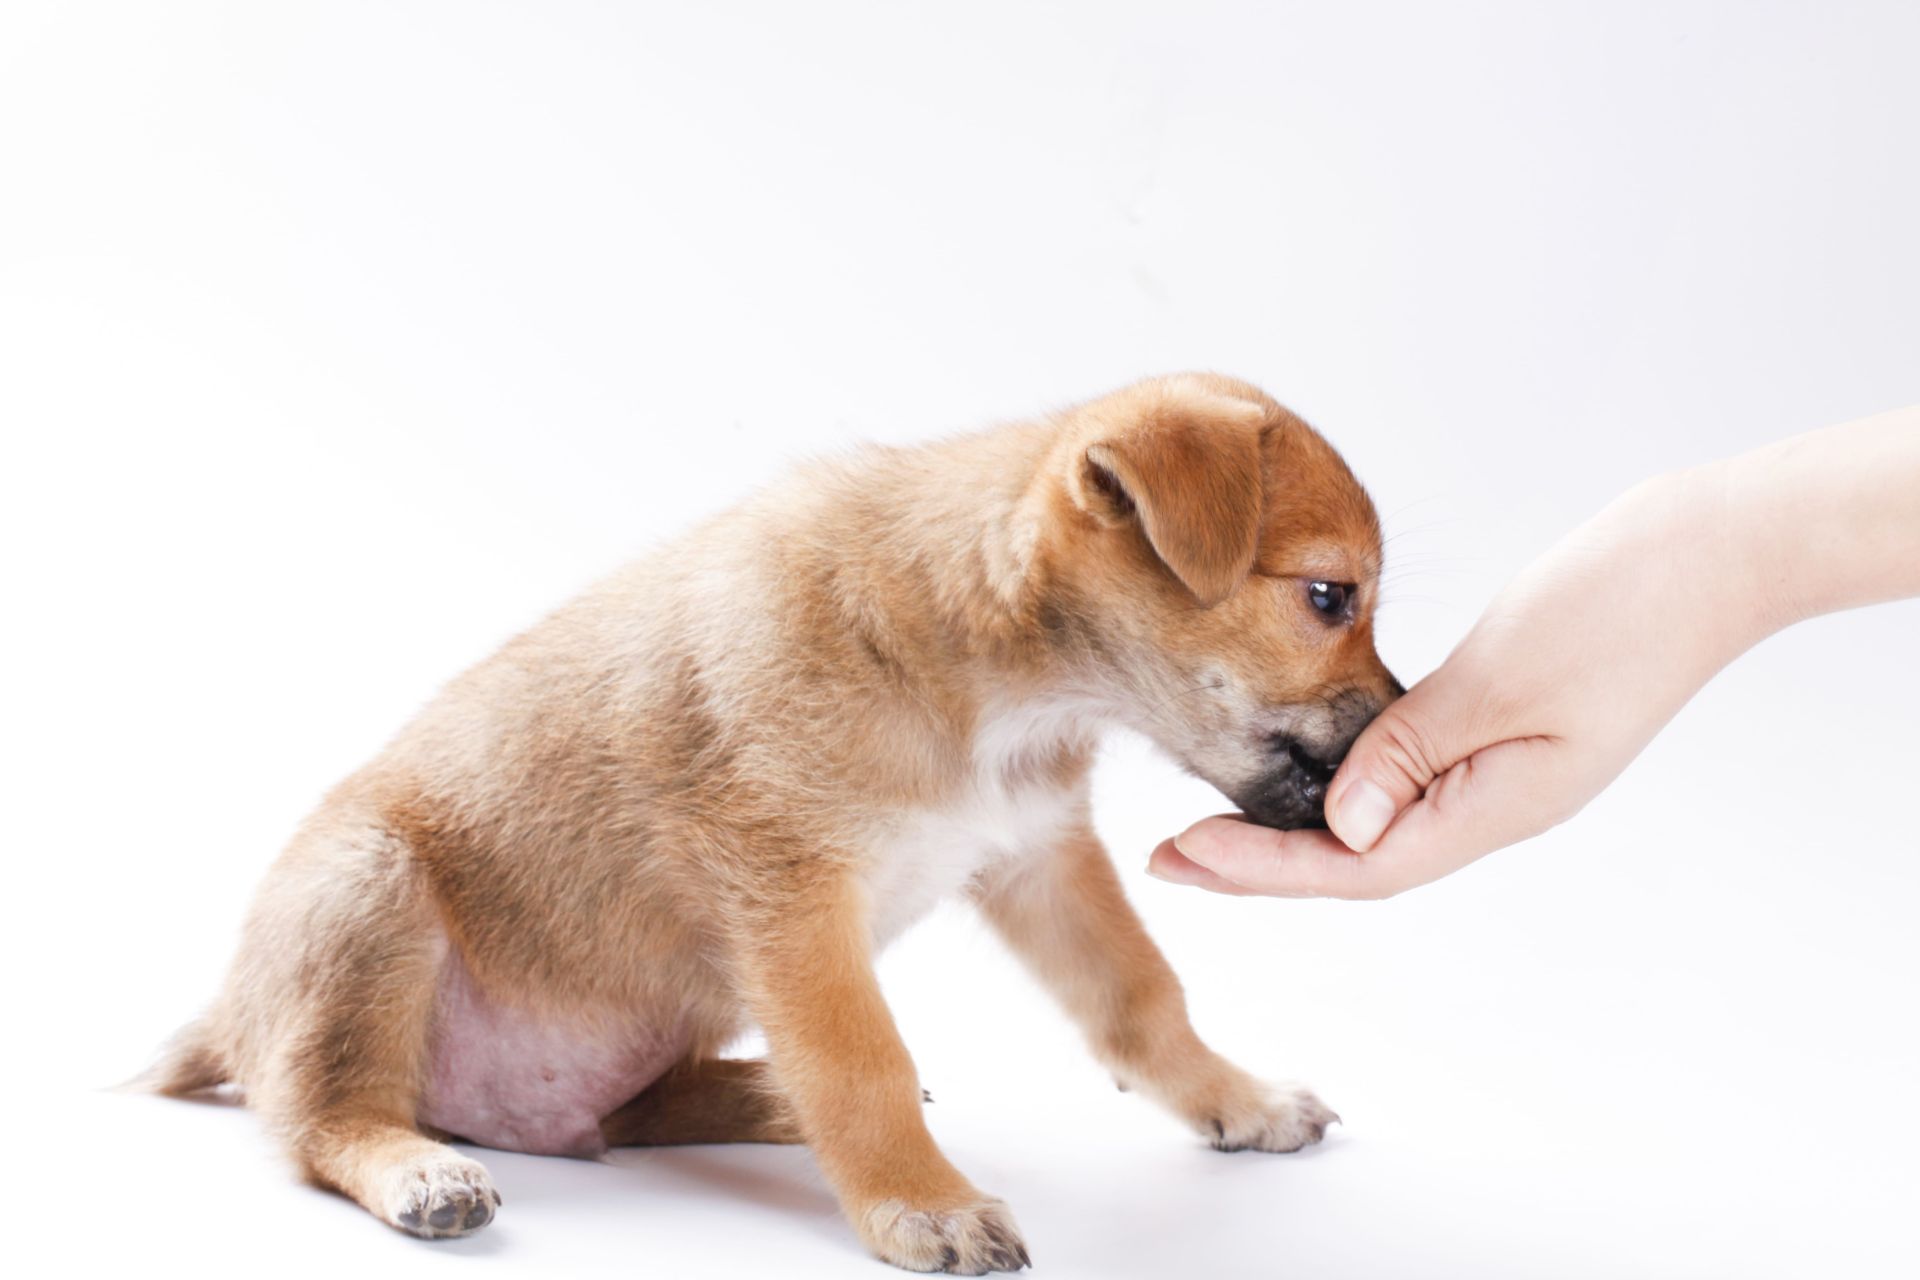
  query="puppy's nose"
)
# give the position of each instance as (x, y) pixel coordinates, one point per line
(1312, 773)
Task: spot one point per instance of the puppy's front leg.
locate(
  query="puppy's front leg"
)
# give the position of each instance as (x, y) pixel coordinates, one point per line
(840, 1062)
(1066, 916)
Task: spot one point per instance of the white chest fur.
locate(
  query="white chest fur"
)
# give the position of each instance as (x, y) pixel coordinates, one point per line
(1007, 810)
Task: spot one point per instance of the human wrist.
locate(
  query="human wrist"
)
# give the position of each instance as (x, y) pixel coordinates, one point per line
(1743, 552)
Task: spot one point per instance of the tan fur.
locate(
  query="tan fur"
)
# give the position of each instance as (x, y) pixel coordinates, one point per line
(717, 1100)
(672, 802)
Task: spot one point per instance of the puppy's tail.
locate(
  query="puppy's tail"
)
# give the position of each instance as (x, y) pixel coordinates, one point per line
(191, 1063)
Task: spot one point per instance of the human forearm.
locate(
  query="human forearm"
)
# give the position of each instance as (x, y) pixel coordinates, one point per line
(1830, 519)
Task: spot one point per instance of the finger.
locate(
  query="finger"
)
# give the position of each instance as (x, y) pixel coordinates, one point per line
(1396, 758)
(1169, 864)
(1286, 864)
(1498, 796)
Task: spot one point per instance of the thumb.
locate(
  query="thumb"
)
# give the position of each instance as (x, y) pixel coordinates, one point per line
(1394, 760)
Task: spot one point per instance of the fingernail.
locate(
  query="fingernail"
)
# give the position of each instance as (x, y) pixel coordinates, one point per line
(1362, 814)
(1191, 841)
(1174, 872)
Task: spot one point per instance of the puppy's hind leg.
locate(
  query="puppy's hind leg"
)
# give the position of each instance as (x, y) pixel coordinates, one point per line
(341, 964)
(716, 1100)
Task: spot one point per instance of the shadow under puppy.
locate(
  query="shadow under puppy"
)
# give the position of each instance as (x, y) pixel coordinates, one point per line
(704, 794)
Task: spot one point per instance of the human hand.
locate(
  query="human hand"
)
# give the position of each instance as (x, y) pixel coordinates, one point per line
(1565, 678)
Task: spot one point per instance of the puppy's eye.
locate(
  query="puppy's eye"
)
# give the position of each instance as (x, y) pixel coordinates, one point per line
(1330, 598)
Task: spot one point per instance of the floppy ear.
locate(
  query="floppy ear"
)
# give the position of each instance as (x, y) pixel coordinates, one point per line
(1192, 480)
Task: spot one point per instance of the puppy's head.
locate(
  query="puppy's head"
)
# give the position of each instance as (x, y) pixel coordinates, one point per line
(1215, 579)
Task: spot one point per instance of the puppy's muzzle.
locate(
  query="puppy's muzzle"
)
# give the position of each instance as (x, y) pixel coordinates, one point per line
(1293, 793)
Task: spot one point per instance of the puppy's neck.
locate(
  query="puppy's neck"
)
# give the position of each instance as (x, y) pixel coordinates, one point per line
(937, 560)
(938, 550)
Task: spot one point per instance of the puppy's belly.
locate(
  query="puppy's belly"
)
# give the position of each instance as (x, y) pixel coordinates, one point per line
(506, 1078)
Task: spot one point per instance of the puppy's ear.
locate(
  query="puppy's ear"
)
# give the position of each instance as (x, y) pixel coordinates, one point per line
(1190, 474)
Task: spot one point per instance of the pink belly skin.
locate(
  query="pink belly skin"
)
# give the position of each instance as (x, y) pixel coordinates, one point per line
(502, 1078)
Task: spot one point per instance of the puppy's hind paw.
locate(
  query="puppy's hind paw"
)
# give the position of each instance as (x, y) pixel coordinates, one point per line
(1278, 1119)
(968, 1240)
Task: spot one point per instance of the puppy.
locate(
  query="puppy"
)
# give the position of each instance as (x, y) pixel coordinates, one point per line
(702, 796)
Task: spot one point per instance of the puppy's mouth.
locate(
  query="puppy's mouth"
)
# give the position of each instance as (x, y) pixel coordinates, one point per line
(1282, 813)
(1293, 794)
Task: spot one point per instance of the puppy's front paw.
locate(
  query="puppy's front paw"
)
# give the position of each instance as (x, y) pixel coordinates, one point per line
(1268, 1118)
(967, 1240)
(438, 1196)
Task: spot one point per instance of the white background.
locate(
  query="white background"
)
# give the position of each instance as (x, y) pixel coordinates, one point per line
(339, 341)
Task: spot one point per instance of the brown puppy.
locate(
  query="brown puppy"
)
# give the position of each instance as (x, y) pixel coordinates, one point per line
(704, 794)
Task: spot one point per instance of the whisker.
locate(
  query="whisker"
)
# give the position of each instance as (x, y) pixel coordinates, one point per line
(1199, 688)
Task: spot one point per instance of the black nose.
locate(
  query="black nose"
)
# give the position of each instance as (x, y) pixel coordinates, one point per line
(1314, 772)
